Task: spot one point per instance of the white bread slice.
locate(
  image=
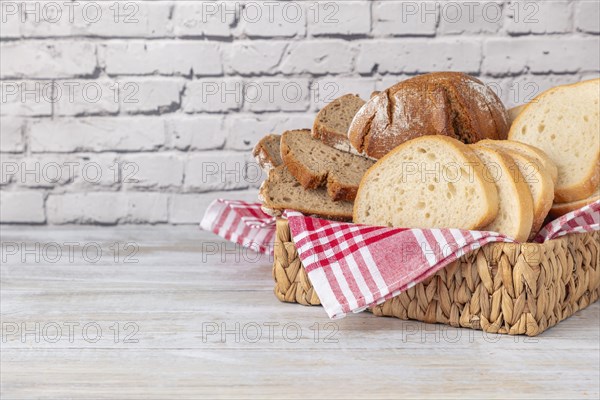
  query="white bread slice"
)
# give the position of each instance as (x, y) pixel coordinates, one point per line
(541, 158)
(515, 204)
(540, 185)
(565, 123)
(282, 191)
(429, 182)
(560, 209)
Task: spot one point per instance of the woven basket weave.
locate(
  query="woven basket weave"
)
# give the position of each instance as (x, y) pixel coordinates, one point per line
(499, 288)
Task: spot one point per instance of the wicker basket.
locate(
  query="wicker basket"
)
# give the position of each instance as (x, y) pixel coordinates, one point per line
(499, 288)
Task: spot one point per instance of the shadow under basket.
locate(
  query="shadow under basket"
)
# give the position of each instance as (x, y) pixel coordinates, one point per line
(500, 288)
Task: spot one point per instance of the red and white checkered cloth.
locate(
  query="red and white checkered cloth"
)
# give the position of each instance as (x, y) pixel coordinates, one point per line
(352, 266)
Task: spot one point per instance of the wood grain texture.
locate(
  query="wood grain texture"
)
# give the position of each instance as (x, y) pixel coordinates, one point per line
(178, 301)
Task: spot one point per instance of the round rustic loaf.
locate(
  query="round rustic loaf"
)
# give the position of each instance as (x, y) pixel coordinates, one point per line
(440, 103)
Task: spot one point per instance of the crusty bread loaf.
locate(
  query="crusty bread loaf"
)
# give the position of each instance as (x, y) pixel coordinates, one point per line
(332, 122)
(282, 191)
(315, 164)
(560, 209)
(540, 185)
(428, 182)
(515, 204)
(541, 158)
(267, 152)
(565, 123)
(441, 103)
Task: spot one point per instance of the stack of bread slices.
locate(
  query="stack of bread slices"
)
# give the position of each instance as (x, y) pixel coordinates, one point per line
(432, 152)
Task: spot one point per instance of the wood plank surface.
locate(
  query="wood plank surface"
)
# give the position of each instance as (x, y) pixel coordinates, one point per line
(179, 313)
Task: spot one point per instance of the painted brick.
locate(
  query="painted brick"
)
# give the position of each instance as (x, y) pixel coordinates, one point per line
(189, 208)
(523, 89)
(538, 17)
(587, 16)
(256, 57)
(245, 130)
(91, 208)
(150, 95)
(213, 95)
(161, 57)
(325, 90)
(152, 170)
(11, 139)
(419, 56)
(317, 57)
(97, 134)
(404, 18)
(276, 94)
(47, 59)
(26, 98)
(212, 171)
(204, 18)
(339, 18)
(540, 55)
(86, 97)
(22, 207)
(195, 132)
(272, 19)
(471, 17)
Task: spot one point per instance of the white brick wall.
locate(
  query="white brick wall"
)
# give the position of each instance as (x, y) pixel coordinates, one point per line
(144, 111)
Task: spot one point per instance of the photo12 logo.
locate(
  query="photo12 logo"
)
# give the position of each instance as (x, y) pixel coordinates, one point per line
(70, 332)
(53, 12)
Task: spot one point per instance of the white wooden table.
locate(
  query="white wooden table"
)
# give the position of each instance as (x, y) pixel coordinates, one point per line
(161, 319)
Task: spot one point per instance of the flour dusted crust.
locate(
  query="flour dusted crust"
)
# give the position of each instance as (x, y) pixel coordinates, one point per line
(267, 153)
(443, 103)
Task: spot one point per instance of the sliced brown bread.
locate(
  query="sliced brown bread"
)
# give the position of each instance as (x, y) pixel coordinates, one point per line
(332, 122)
(515, 204)
(565, 123)
(282, 191)
(314, 164)
(428, 182)
(541, 158)
(560, 209)
(267, 152)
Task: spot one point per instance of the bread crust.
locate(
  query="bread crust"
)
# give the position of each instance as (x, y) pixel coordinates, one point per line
(275, 209)
(588, 185)
(329, 137)
(560, 209)
(262, 155)
(525, 211)
(490, 191)
(442, 103)
(335, 189)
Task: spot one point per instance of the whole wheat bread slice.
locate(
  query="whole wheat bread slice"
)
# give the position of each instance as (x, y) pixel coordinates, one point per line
(428, 182)
(281, 191)
(314, 164)
(565, 123)
(515, 204)
(332, 122)
(267, 152)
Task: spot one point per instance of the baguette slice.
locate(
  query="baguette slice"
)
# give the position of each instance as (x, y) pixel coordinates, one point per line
(332, 122)
(515, 207)
(560, 209)
(540, 185)
(282, 191)
(541, 158)
(267, 152)
(427, 182)
(565, 122)
(315, 164)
